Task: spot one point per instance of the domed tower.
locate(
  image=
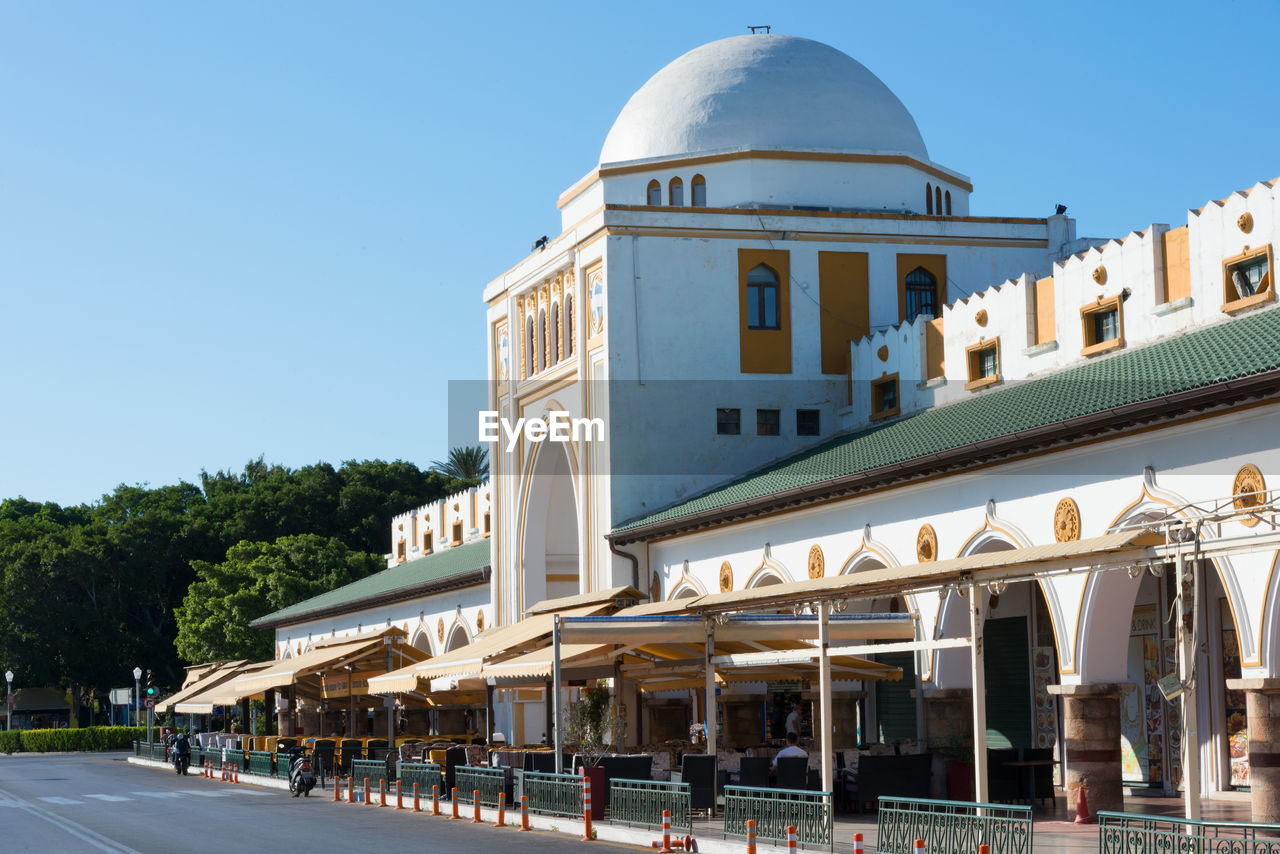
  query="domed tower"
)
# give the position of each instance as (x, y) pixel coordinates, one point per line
(769, 121)
(763, 207)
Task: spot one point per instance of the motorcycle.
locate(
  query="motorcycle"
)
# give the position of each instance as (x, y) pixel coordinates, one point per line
(301, 778)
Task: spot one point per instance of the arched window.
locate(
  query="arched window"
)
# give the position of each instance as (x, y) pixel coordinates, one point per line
(928, 199)
(762, 298)
(655, 193)
(676, 192)
(568, 325)
(530, 365)
(555, 333)
(948, 203)
(937, 200)
(698, 192)
(922, 294)
(540, 342)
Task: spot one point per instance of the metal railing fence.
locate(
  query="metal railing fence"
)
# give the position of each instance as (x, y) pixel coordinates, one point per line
(1130, 833)
(951, 827)
(554, 794)
(641, 802)
(776, 809)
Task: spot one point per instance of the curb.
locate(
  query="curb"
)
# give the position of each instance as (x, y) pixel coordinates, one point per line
(245, 777)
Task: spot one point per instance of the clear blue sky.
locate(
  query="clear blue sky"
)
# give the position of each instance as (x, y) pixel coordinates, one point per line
(232, 229)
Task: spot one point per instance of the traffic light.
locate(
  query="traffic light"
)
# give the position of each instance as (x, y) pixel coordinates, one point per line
(151, 687)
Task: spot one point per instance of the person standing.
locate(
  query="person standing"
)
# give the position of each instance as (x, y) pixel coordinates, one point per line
(793, 721)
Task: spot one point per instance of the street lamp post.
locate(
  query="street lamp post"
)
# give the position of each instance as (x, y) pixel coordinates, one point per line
(137, 694)
(8, 700)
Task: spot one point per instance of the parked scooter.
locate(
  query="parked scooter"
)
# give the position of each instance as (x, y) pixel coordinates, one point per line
(180, 754)
(301, 778)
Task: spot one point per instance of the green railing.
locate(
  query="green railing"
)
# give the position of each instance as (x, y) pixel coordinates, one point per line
(951, 827)
(774, 810)
(641, 802)
(425, 774)
(261, 762)
(1129, 833)
(488, 781)
(554, 794)
(149, 750)
(283, 758)
(375, 770)
(235, 759)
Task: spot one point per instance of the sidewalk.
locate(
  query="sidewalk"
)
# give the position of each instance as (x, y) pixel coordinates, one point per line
(1054, 827)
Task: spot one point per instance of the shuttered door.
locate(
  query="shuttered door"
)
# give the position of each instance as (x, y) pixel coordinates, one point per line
(895, 707)
(1008, 671)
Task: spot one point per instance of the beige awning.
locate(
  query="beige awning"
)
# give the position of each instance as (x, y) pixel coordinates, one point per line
(308, 667)
(502, 642)
(596, 597)
(1108, 550)
(629, 627)
(207, 676)
(673, 659)
(202, 702)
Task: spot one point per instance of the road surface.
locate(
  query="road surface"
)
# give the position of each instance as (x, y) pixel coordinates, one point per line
(91, 803)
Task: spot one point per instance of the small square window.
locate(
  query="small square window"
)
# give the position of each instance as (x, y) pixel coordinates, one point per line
(1247, 280)
(1106, 326)
(728, 422)
(984, 364)
(1102, 325)
(768, 422)
(884, 397)
(807, 423)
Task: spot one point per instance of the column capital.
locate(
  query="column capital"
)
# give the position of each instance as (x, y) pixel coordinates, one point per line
(1097, 689)
(1265, 684)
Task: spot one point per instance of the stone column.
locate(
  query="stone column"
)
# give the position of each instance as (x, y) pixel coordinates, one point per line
(1263, 699)
(1091, 716)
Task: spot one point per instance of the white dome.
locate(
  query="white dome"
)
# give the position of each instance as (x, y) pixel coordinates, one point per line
(762, 92)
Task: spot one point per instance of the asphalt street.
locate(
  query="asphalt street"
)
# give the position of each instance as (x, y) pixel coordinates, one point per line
(77, 803)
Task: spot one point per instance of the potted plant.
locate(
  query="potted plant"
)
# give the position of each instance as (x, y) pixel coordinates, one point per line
(589, 724)
(956, 747)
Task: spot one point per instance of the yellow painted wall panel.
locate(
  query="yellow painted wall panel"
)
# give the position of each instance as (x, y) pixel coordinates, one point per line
(843, 291)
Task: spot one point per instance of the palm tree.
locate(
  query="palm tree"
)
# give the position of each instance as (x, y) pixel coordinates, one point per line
(467, 462)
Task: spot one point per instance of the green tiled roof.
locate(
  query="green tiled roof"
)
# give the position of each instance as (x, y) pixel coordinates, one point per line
(402, 577)
(1236, 348)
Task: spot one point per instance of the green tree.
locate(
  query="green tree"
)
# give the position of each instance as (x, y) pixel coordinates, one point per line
(255, 580)
(469, 463)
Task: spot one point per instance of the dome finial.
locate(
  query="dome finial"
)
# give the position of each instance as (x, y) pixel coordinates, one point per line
(758, 27)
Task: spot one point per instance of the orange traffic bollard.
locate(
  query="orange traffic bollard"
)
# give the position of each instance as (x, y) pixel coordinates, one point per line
(984, 849)
(382, 793)
(337, 789)
(435, 799)
(368, 801)
(919, 846)
(857, 843)
(751, 836)
(666, 833)
(524, 812)
(502, 810)
(475, 802)
(791, 838)
(351, 789)
(453, 799)
(417, 807)
(587, 835)
(399, 797)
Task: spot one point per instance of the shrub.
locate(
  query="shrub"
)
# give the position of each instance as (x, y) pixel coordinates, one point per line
(86, 738)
